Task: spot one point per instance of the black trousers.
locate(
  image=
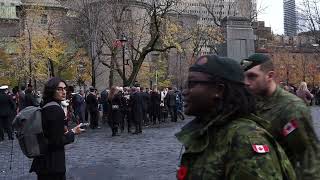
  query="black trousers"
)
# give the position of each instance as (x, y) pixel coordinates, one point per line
(94, 119)
(145, 117)
(5, 125)
(58, 176)
(115, 120)
(129, 119)
(104, 118)
(173, 113)
(137, 118)
(155, 114)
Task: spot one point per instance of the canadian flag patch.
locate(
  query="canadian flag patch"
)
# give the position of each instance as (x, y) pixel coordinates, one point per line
(290, 127)
(260, 148)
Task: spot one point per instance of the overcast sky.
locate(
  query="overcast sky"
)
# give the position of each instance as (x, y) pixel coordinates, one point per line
(272, 14)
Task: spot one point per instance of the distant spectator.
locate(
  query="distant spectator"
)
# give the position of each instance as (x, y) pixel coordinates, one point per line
(22, 95)
(30, 99)
(304, 93)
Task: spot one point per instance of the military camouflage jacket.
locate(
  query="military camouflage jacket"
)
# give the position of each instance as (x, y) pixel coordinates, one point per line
(291, 125)
(221, 148)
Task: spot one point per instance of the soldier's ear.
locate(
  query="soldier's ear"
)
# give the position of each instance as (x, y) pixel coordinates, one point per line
(271, 75)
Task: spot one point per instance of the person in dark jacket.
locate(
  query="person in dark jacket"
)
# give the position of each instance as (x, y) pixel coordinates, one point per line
(30, 99)
(52, 166)
(22, 98)
(92, 106)
(146, 101)
(155, 106)
(104, 102)
(171, 104)
(79, 105)
(136, 100)
(7, 109)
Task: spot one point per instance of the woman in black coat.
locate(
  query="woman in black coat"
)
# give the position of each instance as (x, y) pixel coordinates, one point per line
(115, 105)
(52, 166)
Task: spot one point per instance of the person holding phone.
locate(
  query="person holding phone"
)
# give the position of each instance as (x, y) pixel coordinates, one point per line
(52, 166)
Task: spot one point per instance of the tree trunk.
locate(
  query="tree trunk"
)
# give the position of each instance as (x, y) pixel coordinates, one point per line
(51, 68)
(93, 72)
(135, 69)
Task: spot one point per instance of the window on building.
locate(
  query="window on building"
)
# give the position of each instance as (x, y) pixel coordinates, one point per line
(44, 19)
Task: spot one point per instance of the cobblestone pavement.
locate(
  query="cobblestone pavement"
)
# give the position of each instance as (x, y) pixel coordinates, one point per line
(94, 155)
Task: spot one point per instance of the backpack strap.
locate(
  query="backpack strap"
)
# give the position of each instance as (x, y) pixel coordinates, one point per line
(52, 103)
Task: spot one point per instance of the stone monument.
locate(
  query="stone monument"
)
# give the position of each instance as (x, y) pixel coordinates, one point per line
(239, 38)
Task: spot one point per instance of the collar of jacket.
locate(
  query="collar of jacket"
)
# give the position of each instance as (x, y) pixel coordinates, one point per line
(263, 102)
(195, 136)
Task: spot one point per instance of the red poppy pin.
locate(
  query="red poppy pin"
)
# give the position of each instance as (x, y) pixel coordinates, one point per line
(182, 173)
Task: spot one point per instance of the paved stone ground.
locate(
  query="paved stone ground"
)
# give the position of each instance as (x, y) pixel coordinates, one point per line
(152, 155)
(315, 110)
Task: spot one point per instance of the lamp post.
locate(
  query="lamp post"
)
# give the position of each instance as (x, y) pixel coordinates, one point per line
(123, 41)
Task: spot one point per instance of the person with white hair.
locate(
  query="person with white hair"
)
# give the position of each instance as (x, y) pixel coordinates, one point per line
(304, 93)
(120, 88)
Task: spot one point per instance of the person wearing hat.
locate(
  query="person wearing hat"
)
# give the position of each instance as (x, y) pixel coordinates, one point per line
(226, 140)
(290, 118)
(7, 108)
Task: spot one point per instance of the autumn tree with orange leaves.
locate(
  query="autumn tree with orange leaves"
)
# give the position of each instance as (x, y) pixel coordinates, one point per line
(293, 68)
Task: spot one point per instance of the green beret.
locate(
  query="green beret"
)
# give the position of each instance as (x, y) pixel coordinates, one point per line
(254, 60)
(222, 67)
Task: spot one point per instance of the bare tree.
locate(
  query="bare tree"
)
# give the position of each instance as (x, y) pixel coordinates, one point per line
(85, 16)
(144, 25)
(309, 13)
(218, 9)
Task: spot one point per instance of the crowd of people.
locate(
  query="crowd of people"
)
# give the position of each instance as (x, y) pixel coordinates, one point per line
(311, 96)
(121, 108)
(246, 126)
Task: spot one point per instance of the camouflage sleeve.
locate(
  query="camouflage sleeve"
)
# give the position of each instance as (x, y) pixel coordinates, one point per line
(245, 163)
(295, 124)
(300, 141)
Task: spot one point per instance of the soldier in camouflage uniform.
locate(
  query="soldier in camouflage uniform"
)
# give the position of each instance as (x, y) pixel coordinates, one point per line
(226, 141)
(290, 119)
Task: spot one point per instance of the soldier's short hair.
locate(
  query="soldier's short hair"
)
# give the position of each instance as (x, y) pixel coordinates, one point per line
(267, 66)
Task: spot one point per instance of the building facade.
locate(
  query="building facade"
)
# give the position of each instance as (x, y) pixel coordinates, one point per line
(290, 17)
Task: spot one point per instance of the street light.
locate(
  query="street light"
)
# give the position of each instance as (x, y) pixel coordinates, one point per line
(123, 41)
